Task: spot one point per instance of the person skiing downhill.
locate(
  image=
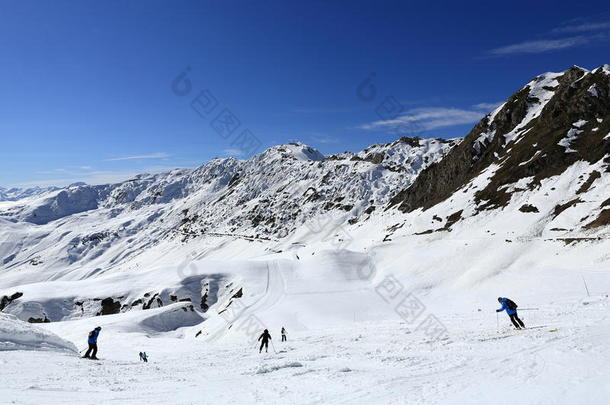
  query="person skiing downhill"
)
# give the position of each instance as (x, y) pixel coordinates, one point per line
(283, 334)
(511, 309)
(265, 341)
(92, 341)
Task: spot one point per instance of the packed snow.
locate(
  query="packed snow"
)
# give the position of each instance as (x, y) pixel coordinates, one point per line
(347, 342)
(18, 335)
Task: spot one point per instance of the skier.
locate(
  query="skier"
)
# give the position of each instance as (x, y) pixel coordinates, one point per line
(283, 334)
(145, 357)
(511, 309)
(265, 341)
(141, 358)
(92, 341)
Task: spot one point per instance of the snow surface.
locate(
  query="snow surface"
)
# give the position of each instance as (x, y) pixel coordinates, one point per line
(380, 306)
(15, 193)
(365, 356)
(540, 95)
(567, 141)
(348, 342)
(18, 335)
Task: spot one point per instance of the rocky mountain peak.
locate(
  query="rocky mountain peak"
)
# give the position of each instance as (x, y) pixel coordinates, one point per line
(554, 121)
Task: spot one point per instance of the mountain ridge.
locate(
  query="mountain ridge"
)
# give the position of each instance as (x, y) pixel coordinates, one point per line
(532, 134)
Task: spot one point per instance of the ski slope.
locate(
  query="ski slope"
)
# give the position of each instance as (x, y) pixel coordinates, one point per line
(388, 296)
(563, 359)
(347, 343)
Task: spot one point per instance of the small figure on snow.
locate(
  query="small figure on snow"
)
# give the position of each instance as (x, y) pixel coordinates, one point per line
(92, 341)
(511, 309)
(144, 357)
(265, 337)
(283, 334)
(141, 359)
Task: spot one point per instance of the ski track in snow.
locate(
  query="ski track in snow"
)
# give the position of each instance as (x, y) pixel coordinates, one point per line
(562, 361)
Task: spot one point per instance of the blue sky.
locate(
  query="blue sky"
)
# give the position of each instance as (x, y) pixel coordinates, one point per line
(89, 89)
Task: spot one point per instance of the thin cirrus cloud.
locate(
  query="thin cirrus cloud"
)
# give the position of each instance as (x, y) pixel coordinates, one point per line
(425, 119)
(159, 155)
(487, 106)
(540, 46)
(233, 152)
(582, 33)
(93, 177)
(583, 27)
(324, 139)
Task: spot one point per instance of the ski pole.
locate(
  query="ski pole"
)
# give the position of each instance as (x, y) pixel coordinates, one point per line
(585, 283)
(529, 309)
(273, 346)
(497, 323)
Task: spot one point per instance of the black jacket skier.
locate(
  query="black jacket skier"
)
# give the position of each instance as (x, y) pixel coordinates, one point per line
(265, 341)
(283, 334)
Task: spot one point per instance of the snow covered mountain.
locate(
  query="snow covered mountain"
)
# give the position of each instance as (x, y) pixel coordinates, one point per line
(83, 230)
(15, 193)
(536, 166)
(545, 152)
(520, 207)
(267, 196)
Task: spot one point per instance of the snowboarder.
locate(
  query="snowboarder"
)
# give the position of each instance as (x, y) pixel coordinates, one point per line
(92, 341)
(511, 309)
(283, 334)
(265, 341)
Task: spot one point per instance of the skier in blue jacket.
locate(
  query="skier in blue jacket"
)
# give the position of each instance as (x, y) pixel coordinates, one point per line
(511, 309)
(92, 341)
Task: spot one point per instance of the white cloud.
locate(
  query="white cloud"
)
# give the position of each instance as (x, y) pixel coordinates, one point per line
(233, 152)
(541, 46)
(487, 106)
(94, 177)
(584, 27)
(54, 171)
(324, 139)
(425, 119)
(44, 183)
(72, 170)
(159, 155)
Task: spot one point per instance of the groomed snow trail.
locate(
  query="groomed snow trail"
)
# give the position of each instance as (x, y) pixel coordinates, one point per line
(566, 360)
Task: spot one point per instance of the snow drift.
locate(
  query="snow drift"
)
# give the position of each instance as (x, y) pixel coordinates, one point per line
(19, 335)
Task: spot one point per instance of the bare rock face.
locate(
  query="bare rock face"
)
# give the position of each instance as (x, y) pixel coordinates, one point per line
(528, 208)
(38, 320)
(5, 300)
(110, 306)
(556, 120)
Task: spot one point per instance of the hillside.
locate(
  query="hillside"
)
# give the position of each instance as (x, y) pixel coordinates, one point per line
(384, 265)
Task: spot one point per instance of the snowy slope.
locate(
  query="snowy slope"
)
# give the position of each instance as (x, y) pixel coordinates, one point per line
(16, 193)
(264, 198)
(384, 266)
(18, 335)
